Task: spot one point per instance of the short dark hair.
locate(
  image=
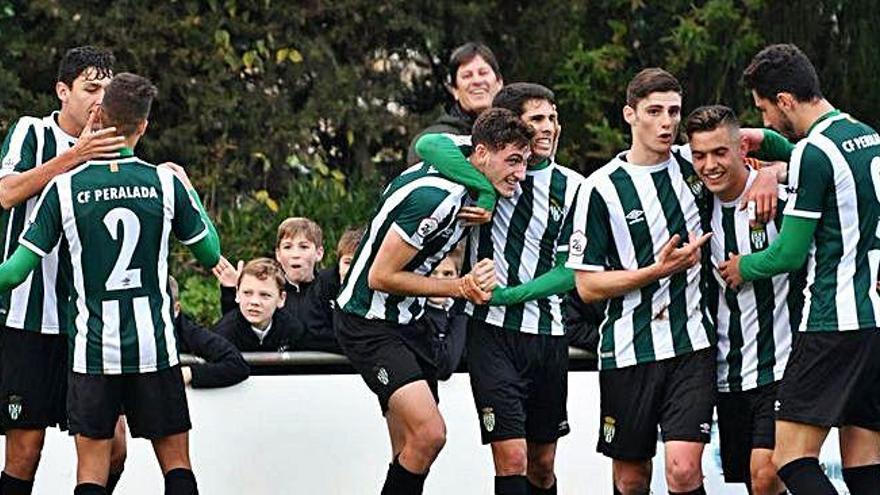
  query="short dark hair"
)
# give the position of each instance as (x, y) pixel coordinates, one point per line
(264, 269)
(782, 68)
(78, 59)
(465, 53)
(497, 127)
(127, 102)
(650, 80)
(710, 117)
(514, 96)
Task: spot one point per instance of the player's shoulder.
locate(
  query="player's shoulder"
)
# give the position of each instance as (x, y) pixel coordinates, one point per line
(570, 175)
(606, 171)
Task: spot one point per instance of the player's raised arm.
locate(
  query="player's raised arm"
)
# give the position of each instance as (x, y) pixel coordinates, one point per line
(192, 225)
(444, 152)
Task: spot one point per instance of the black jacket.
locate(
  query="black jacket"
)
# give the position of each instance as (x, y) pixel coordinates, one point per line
(450, 330)
(283, 334)
(223, 366)
(315, 312)
(454, 121)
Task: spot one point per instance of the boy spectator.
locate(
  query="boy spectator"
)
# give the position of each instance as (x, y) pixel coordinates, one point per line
(317, 307)
(223, 366)
(450, 324)
(257, 325)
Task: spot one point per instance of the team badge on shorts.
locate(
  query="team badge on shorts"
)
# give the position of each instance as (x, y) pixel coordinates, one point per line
(608, 428)
(488, 419)
(382, 375)
(15, 407)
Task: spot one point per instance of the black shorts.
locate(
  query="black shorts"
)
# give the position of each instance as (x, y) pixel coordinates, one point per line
(520, 383)
(154, 404)
(33, 380)
(746, 421)
(833, 379)
(677, 394)
(388, 355)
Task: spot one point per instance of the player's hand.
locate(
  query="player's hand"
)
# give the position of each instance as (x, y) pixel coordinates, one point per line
(484, 274)
(100, 143)
(180, 172)
(752, 137)
(673, 259)
(730, 271)
(474, 215)
(226, 273)
(187, 375)
(762, 197)
(469, 289)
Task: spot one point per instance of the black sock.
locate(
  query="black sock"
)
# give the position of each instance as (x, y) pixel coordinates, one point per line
(399, 481)
(180, 481)
(89, 489)
(537, 490)
(698, 491)
(516, 484)
(113, 480)
(10, 485)
(804, 477)
(863, 479)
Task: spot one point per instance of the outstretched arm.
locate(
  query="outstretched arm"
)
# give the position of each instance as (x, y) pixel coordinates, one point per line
(555, 281)
(787, 253)
(441, 151)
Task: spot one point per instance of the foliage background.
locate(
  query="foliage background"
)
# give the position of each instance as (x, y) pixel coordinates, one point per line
(303, 108)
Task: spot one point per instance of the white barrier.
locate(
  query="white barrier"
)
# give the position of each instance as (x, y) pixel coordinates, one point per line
(323, 434)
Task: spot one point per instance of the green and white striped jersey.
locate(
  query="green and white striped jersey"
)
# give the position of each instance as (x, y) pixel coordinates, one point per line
(835, 175)
(421, 206)
(33, 305)
(525, 235)
(624, 215)
(114, 219)
(756, 322)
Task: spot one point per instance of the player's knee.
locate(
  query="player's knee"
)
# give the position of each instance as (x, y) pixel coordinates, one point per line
(684, 473)
(632, 484)
(430, 437)
(24, 458)
(540, 468)
(764, 481)
(511, 462)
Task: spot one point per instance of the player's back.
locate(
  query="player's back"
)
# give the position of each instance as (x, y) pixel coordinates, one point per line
(117, 216)
(838, 176)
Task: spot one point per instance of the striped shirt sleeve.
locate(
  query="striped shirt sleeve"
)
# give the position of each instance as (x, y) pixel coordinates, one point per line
(187, 224)
(422, 214)
(811, 177)
(590, 231)
(44, 227)
(19, 152)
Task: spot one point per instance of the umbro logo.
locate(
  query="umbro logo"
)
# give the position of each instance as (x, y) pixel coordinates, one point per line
(635, 216)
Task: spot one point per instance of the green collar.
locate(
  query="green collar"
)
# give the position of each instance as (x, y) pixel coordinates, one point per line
(828, 115)
(126, 152)
(540, 165)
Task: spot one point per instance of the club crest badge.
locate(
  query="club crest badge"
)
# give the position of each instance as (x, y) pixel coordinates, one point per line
(14, 407)
(488, 419)
(608, 429)
(758, 237)
(555, 210)
(695, 185)
(382, 376)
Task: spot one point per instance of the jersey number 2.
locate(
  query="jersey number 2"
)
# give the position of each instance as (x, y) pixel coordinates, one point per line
(122, 277)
